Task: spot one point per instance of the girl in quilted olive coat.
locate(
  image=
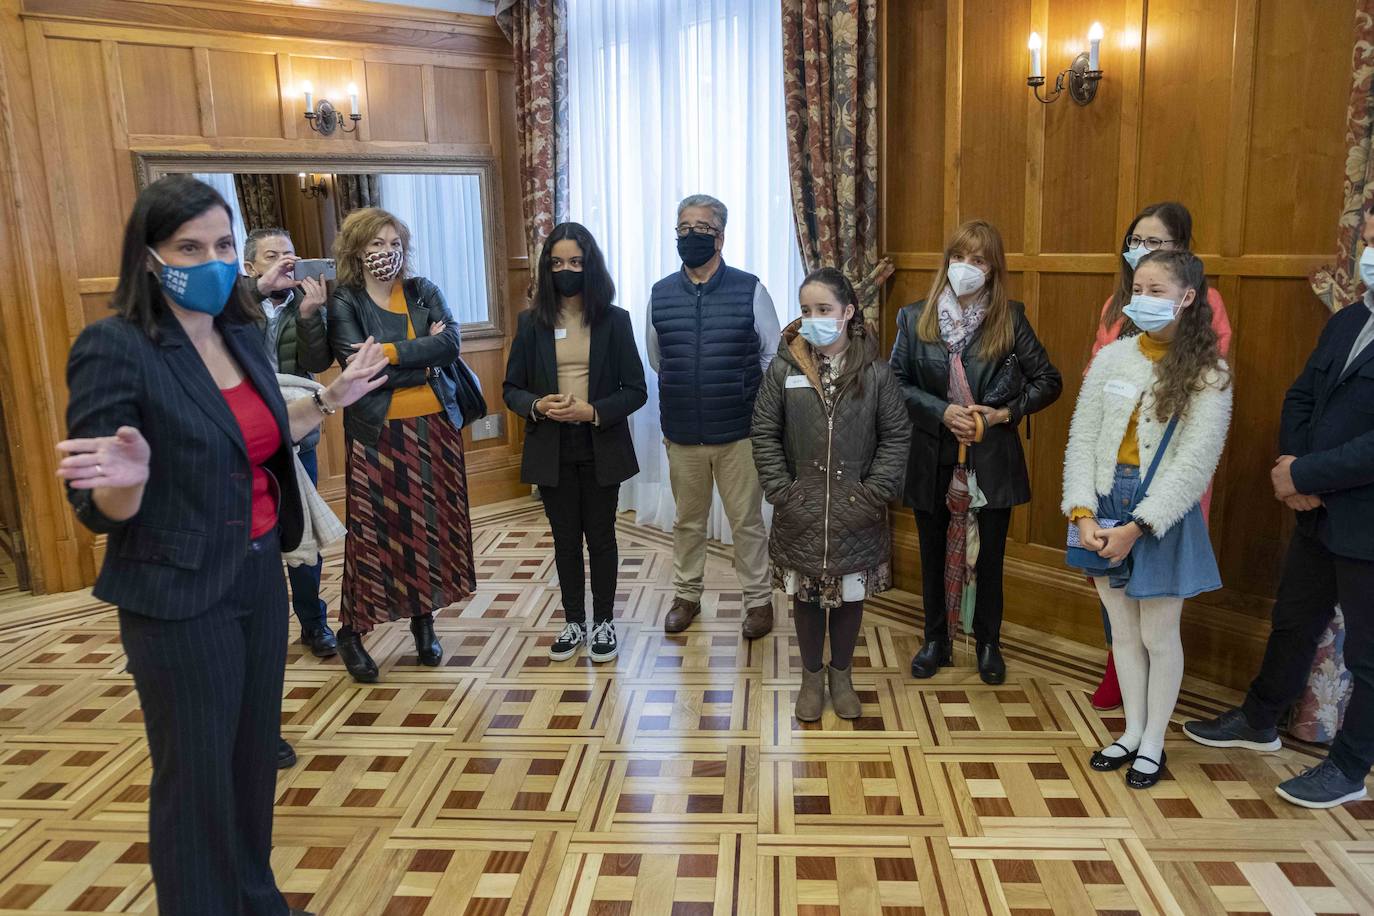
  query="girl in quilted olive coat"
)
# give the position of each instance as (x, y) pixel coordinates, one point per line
(830, 441)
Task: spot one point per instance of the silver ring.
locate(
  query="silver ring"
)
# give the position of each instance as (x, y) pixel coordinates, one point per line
(98, 471)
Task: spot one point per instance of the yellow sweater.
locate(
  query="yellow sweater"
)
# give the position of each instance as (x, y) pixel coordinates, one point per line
(1129, 450)
(418, 400)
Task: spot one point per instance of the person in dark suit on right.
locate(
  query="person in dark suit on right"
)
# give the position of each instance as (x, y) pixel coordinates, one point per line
(1326, 474)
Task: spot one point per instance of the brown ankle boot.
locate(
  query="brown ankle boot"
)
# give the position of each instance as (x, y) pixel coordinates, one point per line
(681, 614)
(842, 695)
(811, 697)
(758, 620)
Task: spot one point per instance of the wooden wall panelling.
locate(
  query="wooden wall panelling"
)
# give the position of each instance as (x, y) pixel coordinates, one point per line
(393, 101)
(913, 189)
(992, 134)
(159, 85)
(245, 93)
(1300, 100)
(460, 93)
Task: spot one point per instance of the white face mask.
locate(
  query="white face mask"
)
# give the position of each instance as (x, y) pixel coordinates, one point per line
(965, 278)
(1367, 266)
(1132, 256)
(1151, 313)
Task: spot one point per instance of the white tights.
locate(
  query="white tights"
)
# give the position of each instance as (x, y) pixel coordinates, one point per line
(1149, 666)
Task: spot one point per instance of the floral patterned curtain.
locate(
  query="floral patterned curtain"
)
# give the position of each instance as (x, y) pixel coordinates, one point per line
(1318, 713)
(354, 192)
(1338, 285)
(538, 29)
(830, 79)
(259, 204)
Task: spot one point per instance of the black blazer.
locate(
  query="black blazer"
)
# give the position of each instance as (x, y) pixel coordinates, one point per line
(188, 543)
(1328, 423)
(353, 318)
(922, 368)
(615, 388)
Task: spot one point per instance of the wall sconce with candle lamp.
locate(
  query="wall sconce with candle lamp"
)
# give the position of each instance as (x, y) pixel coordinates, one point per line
(325, 118)
(1080, 79)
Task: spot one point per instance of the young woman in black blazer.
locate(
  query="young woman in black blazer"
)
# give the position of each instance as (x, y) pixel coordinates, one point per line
(575, 375)
(181, 452)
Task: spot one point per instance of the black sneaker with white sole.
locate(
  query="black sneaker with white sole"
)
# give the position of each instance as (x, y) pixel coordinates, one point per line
(568, 642)
(1323, 786)
(1231, 730)
(604, 645)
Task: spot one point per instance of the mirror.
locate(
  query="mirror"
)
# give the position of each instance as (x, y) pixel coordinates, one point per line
(449, 208)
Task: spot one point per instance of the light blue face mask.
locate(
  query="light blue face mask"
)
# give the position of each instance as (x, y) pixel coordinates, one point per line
(1151, 313)
(1367, 266)
(821, 332)
(203, 288)
(1132, 256)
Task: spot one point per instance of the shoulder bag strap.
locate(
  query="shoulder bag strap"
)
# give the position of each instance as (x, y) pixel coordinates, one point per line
(1154, 465)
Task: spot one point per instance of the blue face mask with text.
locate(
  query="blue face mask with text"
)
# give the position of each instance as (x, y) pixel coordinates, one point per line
(203, 288)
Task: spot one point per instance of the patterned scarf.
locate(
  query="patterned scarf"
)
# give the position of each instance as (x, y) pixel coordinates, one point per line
(957, 328)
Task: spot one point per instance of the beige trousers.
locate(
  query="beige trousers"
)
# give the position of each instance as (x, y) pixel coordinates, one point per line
(693, 470)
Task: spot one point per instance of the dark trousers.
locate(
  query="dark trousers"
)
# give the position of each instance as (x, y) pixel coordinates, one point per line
(933, 527)
(1314, 581)
(210, 688)
(311, 612)
(580, 509)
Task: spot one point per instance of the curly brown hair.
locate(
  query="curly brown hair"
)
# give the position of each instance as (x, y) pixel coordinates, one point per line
(1194, 358)
(357, 232)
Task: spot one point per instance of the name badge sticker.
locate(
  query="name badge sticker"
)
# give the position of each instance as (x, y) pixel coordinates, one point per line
(1122, 389)
(798, 381)
(560, 333)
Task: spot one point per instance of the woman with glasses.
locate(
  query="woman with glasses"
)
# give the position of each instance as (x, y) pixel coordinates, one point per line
(1166, 226)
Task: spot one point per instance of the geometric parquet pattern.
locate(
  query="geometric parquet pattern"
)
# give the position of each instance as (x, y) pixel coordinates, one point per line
(672, 782)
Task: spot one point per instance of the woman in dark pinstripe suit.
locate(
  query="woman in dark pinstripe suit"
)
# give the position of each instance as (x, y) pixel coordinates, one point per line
(181, 452)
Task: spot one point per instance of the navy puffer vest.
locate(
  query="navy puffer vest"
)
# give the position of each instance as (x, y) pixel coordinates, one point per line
(708, 356)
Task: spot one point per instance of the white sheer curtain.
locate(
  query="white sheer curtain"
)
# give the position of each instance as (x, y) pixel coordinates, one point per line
(223, 182)
(669, 99)
(444, 213)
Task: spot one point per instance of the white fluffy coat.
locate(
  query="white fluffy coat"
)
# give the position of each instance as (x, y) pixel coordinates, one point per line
(1120, 377)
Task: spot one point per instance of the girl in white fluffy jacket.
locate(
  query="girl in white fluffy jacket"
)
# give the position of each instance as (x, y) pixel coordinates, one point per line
(1158, 549)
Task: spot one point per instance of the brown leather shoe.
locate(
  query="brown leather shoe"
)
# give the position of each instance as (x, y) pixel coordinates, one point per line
(681, 615)
(758, 621)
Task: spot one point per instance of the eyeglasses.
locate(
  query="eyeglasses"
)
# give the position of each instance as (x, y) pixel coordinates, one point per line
(684, 229)
(1150, 242)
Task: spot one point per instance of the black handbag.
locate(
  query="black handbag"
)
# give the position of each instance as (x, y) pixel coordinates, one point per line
(467, 390)
(1007, 383)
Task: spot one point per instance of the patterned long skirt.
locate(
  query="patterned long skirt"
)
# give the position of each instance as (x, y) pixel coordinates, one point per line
(409, 547)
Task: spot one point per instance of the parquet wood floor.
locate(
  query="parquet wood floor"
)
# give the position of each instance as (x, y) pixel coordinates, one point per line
(672, 782)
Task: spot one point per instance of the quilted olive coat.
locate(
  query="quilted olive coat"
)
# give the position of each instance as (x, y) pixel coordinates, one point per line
(830, 473)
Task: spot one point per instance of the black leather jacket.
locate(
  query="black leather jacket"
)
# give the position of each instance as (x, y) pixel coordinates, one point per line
(353, 317)
(922, 368)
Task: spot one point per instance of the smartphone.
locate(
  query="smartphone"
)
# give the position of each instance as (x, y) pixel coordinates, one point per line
(319, 268)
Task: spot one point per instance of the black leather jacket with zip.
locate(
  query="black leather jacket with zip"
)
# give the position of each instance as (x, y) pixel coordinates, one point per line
(830, 472)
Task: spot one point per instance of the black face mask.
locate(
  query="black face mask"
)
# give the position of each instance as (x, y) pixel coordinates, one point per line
(696, 248)
(569, 283)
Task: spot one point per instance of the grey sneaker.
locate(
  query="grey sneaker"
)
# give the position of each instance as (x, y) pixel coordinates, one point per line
(1231, 730)
(568, 642)
(1323, 786)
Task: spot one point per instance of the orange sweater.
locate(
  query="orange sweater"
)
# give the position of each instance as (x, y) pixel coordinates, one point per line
(418, 400)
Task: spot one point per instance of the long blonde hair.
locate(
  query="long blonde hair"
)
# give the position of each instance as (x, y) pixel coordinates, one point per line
(977, 236)
(357, 232)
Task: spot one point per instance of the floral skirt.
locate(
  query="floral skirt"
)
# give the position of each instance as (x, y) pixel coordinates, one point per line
(832, 591)
(409, 547)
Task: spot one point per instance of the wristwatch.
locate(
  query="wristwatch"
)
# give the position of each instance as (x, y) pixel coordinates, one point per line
(318, 395)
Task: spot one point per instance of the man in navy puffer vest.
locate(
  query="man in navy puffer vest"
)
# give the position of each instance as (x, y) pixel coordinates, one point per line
(712, 330)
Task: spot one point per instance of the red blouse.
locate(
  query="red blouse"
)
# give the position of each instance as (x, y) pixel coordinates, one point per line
(262, 437)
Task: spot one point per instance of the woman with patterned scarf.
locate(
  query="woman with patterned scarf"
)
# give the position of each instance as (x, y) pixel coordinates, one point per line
(971, 368)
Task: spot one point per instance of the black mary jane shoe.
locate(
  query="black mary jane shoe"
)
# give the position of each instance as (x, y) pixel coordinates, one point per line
(935, 654)
(991, 668)
(1138, 780)
(1106, 763)
(355, 657)
(426, 643)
